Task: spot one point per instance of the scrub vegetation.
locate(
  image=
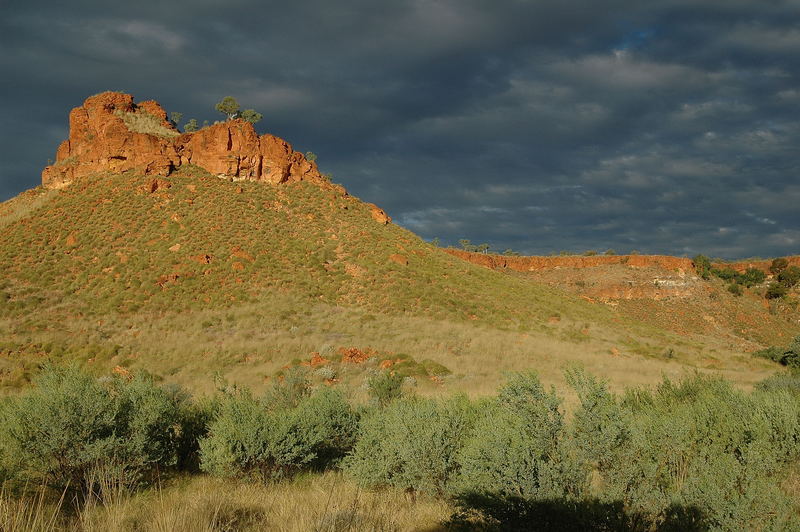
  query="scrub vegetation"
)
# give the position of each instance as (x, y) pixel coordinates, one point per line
(122, 453)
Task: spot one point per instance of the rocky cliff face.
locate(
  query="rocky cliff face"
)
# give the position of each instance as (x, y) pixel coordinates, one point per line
(104, 136)
(599, 277)
(529, 264)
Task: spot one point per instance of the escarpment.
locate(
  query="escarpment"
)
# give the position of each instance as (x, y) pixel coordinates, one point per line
(111, 133)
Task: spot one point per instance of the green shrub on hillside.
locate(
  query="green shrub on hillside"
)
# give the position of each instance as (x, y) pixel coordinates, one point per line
(70, 424)
(790, 276)
(778, 265)
(412, 444)
(751, 277)
(385, 386)
(702, 266)
(786, 356)
(292, 387)
(269, 441)
(775, 291)
(735, 289)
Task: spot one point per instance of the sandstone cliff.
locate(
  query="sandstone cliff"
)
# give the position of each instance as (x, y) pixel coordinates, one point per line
(110, 132)
(528, 264)
(666, 262)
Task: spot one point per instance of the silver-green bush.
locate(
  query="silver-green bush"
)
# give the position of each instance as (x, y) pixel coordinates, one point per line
(268, 441)
(518, 447)
(412, 444)
(70, 424)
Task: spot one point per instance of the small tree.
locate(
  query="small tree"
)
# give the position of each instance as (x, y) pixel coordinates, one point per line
(778, 265)
(228, 106)
(251, 116)
(191, 126)
(775, 290)
(311, 156)
(175, 118)
(751, 277)
(701, 265)
(789, 276)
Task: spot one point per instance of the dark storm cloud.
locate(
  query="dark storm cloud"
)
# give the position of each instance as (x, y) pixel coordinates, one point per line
(666, 126)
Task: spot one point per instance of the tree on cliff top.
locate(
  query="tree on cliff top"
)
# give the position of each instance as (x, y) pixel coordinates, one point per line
(228, 106)
(251, 115)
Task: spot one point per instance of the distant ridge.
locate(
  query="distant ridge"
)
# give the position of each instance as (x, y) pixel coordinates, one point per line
(667, 262)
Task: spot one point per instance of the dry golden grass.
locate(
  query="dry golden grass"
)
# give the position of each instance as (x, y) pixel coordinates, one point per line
(143, 122)
(32, 513)
(87, 279)
(316, 502)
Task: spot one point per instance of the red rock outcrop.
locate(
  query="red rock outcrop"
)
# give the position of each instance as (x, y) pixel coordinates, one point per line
(379, 215)
(100, 141)
(527, 264)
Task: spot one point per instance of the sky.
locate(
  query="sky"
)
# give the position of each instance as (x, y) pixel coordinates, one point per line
(665, 126)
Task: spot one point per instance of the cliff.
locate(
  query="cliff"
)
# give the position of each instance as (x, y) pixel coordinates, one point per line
(111, 133)
(528, 264)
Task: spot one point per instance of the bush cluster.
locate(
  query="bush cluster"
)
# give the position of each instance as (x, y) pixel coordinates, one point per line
(692, 455)
(69, 425)
(749, 278)
(786, 356)
(785, 276)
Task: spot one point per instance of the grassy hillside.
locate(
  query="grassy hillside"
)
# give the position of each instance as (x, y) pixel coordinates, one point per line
(206, 276)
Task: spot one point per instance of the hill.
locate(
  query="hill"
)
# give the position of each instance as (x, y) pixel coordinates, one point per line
(222, 252)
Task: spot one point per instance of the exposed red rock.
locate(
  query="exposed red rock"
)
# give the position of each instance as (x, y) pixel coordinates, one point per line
(379, 215)
(354, 355)
(527, 264)
(100, 141)
(399, 259)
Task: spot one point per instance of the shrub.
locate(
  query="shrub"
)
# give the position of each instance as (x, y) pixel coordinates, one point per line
(726, 274)
(751, 277)
(702, 265)
(775, 291)
(385, 386)
(517, 447)
(269, 441)
(778, 265)
(289, 390)
(786, 356)
(735, 289)
(412, 444)
(191, 126)
(790, 276)
(789, 382)
(701, 444)
(70, 424)
(599, 428)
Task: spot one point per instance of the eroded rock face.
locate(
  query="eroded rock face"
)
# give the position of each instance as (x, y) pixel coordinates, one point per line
(527, 264)
(100, 141)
